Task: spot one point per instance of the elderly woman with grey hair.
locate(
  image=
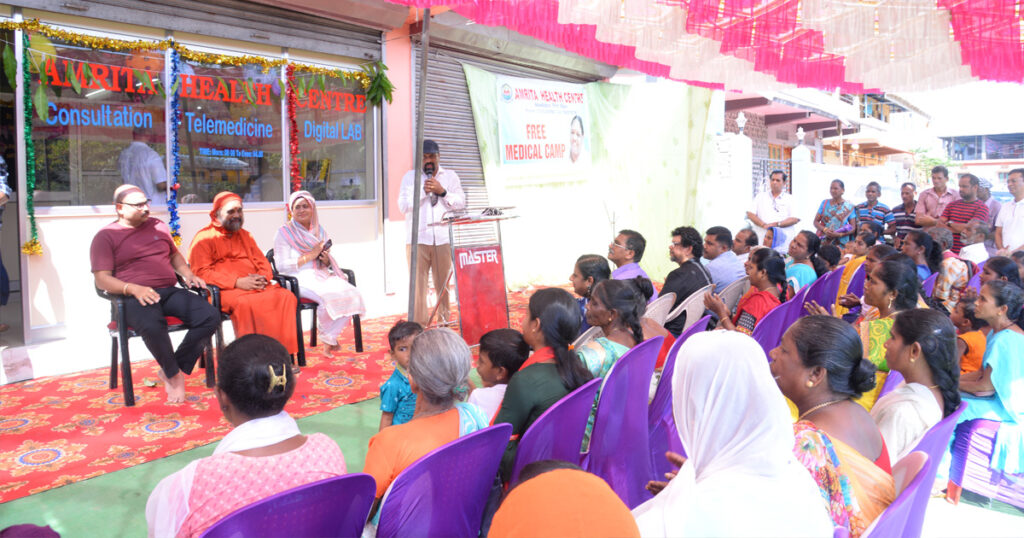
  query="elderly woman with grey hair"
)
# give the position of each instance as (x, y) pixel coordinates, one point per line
(954, 273)
(439, 365)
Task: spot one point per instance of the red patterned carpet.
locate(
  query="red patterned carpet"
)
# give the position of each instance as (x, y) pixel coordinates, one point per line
(63, 429)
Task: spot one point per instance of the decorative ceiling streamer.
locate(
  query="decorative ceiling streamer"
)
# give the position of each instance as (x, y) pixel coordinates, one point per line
(853, 45)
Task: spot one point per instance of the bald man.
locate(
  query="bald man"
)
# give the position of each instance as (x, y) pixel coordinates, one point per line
(135, 256)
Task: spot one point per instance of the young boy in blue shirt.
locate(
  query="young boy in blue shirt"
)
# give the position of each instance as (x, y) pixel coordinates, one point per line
(397, 401)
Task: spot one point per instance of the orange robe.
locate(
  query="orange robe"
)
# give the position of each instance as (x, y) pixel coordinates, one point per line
(220, 259)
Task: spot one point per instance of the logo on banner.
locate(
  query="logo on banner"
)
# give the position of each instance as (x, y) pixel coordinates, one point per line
(506, 93)
(477, 256)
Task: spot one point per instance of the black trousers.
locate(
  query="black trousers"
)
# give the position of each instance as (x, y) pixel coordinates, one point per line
(149, 322)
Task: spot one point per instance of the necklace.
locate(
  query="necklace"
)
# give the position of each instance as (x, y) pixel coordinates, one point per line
(933, 387)
(1007, 326)
(819, 406)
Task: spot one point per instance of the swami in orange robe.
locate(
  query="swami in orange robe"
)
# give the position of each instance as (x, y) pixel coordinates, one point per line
(221, 257)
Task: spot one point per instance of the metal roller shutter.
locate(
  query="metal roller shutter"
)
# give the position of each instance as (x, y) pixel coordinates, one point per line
(449, 120)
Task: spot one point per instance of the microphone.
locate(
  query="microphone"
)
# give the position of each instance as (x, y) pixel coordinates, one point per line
(433, 197)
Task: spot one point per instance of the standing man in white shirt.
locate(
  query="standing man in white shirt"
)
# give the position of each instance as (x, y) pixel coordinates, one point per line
(143, 167)
(773, 208)
(1010, 222)
(442, 191)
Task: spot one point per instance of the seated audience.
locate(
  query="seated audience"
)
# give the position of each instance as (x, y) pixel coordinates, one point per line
(830, 254)
(971, 334)
(819, 367)
(775, 238)
(858, 248)
(625, 252)
(397, 400)
(502, 353)
(903, 215)
(846, 300)
(739, 451)
(745, 241)
(550, 325)
(299, 251)
(891, 287)
(264, 454)
(767, 273)
(836, 217)
(872, 210)
(557, 498)
(686, 250)
(135, 256)
(923, 349)
(993, 392)
(926, 254)
(588, 271)
(724, 266)
(803, 267)
(227, 256)
(616, 306)
(954, 273)
(1001, 268)
(973, 238)
(872, 227)
(439, 365)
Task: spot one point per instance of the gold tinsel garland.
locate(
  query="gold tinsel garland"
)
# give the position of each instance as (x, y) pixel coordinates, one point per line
(121, 45)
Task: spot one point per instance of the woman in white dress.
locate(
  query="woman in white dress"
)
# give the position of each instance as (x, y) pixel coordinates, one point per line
(923, 349)
(299, 251)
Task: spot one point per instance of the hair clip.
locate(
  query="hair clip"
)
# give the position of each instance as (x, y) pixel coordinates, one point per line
(571, 347)
(277, 380)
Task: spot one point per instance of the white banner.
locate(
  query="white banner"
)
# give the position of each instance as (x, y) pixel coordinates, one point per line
(542, 123)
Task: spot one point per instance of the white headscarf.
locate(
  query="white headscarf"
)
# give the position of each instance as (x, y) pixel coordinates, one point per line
(740, 478)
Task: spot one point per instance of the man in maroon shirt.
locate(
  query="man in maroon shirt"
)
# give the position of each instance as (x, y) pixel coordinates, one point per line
(135, 256)
(960, 212)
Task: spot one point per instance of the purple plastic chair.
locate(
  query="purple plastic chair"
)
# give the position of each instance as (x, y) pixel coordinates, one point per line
(928, 285)
(795, 306)
(661, 427)
(934, 443)
(897, 519)
(829, 291)
(619, 450)
(444, 493)
(768, 331)
(894, 378)
(856, 285)
(972, 452)
(558, 433)
(975, 282)
(841, 532)
(336, 506)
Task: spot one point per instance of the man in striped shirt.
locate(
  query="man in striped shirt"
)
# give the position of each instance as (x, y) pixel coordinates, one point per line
(903, 214)
(873, 209)
(968, 207)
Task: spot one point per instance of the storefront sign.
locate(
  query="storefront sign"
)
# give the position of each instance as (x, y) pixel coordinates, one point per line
(541, 122)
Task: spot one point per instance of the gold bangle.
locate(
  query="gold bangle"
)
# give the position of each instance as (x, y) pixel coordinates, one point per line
(124, 290)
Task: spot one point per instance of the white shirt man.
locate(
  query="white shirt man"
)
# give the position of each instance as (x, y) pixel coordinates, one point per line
(1010, 222)
(773, 208)
(442, 191)
(143, 167)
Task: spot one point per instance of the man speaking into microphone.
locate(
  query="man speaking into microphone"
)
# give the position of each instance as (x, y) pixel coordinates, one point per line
(442, 192)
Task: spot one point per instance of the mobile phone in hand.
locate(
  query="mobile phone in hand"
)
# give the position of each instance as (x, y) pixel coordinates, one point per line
(327, 245)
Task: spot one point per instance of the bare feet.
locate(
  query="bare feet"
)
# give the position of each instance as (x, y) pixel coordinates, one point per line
(332, 349)
(174, 386)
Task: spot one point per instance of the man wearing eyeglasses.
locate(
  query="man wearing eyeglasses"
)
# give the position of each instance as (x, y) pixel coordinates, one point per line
(773, 208)
(135, 256)
(143, 167)
(625, 251)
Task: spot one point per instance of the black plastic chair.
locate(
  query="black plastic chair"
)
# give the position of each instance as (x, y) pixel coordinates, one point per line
(120, 332)
(309, 304)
